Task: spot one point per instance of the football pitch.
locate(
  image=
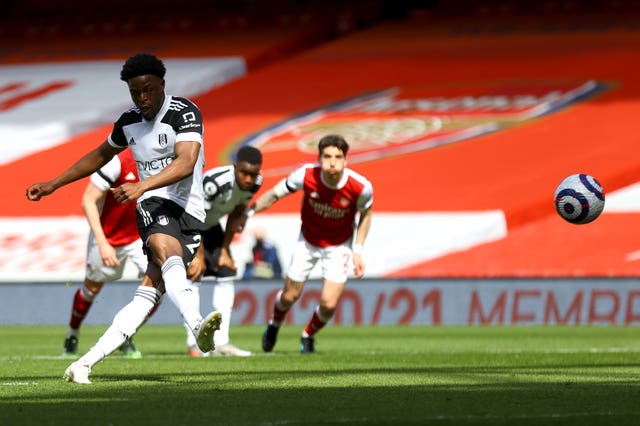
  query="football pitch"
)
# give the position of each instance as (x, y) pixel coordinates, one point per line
(359, 375)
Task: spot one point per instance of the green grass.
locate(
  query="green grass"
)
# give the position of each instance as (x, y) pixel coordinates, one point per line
(359, 375)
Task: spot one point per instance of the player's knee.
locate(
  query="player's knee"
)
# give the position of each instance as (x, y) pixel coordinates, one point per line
(290, 297)
(328, 307)
(93, 287)
(292, 292)
(162, 247)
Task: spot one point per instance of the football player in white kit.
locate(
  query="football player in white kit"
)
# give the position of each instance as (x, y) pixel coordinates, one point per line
(165, 135)
(332, 197)
(227, 191)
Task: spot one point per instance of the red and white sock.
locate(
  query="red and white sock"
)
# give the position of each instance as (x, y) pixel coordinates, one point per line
(279, 312)
(315, 324)
(82, 302)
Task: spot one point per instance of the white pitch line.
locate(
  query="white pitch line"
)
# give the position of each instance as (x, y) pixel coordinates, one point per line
(18, 383)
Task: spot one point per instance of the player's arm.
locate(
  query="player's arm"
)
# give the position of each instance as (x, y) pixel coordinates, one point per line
(269, 198)
(86, 165)
(225, 258)
(181, 167)
(91, 199)
(263, 202)
(229, 232)
(287, 186)
(198, 265)
(364, 224)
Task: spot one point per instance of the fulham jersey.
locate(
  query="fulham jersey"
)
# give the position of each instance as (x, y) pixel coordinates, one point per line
(328, 213)
(118, 220)
(222, 194)
(153, 146)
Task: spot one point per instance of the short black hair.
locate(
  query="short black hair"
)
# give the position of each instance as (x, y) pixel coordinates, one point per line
(142, 64)
(250, 154)
(333, 140)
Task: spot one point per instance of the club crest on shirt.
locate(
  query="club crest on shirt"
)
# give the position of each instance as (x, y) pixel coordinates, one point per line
(162, 140)
(162, 220)
(406, 119)
(344, 202)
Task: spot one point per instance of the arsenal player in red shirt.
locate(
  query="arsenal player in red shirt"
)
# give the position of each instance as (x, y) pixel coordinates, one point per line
(334, 196)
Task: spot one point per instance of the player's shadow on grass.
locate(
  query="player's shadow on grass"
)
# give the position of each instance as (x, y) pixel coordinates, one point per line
(152, 399)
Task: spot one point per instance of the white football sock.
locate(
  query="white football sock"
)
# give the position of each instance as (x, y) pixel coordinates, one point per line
(195, 287)
(223, 296)
(124, 324)
(180, 292)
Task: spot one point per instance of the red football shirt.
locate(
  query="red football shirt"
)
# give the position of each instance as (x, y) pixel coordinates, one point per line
(118, 220)
(328, 213)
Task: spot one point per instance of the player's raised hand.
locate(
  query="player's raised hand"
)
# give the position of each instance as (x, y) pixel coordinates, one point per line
(39, 190)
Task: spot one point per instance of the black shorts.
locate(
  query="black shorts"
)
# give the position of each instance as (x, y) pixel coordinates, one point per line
(212, 241)
(157, 215)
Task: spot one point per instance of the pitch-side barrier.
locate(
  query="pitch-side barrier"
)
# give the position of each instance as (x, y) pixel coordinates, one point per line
(474, 302)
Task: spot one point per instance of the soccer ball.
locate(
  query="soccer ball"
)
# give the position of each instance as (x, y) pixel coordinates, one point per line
(579, 199)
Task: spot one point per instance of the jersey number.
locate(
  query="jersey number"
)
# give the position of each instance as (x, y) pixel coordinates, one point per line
(194, 246)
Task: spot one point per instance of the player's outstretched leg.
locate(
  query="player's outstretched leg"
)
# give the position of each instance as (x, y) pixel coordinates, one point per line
(125, 324)
(205, 331)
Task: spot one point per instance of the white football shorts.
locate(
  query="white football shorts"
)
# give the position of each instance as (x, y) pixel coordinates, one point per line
(97, 271)
(335, 261)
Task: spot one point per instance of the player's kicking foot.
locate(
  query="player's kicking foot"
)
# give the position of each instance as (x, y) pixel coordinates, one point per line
(269, 337)
(206, 329)
(78, 373)
(306, 345)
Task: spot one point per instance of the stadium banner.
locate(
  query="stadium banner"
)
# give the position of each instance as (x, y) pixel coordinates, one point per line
(468, 302)
(506, 302)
